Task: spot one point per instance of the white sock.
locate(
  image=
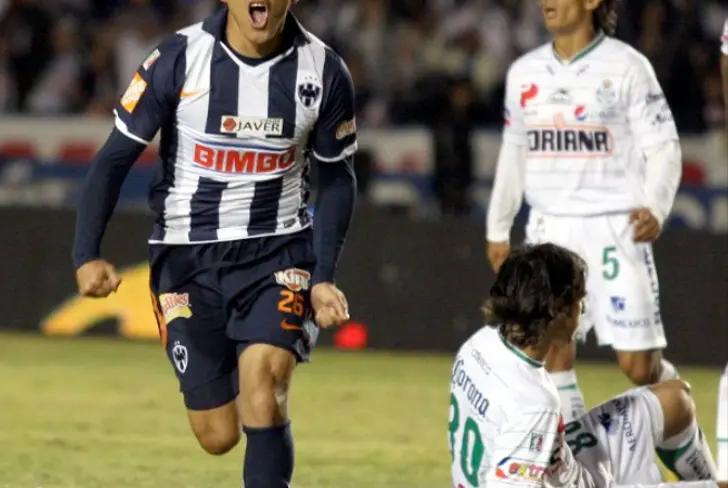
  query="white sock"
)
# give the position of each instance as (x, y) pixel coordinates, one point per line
(687, 455)
(722, 426)
(668, 372)
(572, 401)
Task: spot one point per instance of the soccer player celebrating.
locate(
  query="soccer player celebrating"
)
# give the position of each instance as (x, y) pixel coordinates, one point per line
(505, 425)
(589, 138)
(245, 101)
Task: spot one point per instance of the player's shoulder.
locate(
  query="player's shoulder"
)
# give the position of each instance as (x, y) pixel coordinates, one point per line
(530, 61)
(620, 54)
(334, 65)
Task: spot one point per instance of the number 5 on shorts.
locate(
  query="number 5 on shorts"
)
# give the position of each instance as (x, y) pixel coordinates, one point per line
(610, 263)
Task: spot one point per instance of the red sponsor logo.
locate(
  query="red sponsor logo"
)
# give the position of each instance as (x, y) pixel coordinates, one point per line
(528, 92)
(242, 161)
(229, 124)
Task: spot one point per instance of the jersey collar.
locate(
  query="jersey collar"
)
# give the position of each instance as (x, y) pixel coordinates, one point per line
(215, 25)
(581, 54)
(521, 355)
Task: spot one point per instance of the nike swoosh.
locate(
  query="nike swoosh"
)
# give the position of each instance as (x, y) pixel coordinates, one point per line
(285, 325)
(187, 94)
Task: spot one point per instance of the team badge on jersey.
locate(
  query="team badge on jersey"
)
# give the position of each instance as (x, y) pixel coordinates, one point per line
(180, 357)
(134, 93)
(606, 95)
(309, 91)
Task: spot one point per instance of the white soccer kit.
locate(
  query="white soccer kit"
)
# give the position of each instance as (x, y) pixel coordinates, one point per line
(505, 428)
(575, 143)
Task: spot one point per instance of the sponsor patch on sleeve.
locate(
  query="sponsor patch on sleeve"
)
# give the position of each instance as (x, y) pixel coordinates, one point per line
(134, 93)
(151, 59)
(346, 128)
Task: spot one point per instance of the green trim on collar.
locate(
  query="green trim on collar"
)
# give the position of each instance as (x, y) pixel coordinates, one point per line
(519, 353)
(589, 48)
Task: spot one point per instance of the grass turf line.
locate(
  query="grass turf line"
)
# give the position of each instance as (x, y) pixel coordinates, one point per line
(100, 412)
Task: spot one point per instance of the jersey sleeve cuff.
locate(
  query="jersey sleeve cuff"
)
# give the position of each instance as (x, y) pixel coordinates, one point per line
(498, 235)
(349, 151)
(124, 129)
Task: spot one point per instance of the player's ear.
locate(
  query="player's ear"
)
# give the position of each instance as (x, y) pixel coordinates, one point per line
(592, 5)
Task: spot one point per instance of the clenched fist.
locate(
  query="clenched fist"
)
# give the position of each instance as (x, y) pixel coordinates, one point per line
(329, 305)
(97, 279)
(646, 226)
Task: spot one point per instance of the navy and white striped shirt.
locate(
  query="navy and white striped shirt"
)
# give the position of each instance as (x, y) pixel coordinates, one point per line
(236, 137)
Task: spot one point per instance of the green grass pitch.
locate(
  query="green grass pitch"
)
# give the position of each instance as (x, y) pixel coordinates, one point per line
(98, 412)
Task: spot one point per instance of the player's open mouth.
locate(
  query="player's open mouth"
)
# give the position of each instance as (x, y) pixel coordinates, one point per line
(549, 12)
(258, 14)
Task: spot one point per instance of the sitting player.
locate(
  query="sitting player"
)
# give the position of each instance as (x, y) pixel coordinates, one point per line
(505, 426)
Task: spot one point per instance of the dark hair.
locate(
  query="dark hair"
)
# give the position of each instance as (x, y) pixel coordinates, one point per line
(534, 285)
(605, 16)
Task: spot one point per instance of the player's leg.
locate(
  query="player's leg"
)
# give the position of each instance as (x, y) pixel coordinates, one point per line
(265, 376)
(269, 304)
(645, 367)
(560, 359)
(722, 426)
(683, 447)
(191, 322)
(627, 301)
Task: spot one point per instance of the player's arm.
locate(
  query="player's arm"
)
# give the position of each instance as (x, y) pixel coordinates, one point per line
(333, 145)
(653, 127)
(147, 103)
(507, 194)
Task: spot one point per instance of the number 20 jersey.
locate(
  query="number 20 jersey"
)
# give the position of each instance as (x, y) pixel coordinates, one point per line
(585, 125)
(504, 415)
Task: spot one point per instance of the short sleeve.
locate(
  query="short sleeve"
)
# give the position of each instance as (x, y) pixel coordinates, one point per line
(334, 135)
(517, 96)
(524, 449)
(648, 113)
(152, 95)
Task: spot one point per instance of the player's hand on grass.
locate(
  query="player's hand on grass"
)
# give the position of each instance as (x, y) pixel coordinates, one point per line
(329, 305)
(97, 278)
(645, 226)
(497, 253)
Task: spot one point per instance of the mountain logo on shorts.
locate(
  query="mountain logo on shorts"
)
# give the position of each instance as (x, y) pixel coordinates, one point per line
(179, 356)
(609, 424)
(175, 306)
(293, 278)
(618, 303)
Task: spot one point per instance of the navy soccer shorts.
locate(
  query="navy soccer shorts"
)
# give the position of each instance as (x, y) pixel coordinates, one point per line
(213, 300)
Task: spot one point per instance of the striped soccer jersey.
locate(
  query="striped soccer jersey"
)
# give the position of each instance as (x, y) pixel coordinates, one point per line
(236, 137)
(586, 125)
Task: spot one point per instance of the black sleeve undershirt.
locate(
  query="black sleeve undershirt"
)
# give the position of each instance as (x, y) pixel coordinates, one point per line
(334, 209)
(100, 192)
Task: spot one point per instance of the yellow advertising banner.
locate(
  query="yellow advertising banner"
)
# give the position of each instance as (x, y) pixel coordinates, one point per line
(130, 306)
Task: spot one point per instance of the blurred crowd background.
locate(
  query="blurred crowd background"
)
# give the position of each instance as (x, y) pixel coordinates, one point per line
(413, 61)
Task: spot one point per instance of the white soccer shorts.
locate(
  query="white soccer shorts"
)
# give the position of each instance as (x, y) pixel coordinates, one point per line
(623, 294)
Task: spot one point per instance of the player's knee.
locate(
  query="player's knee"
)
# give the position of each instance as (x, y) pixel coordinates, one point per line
(677, 405)
(218, 441)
